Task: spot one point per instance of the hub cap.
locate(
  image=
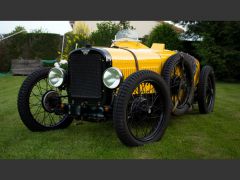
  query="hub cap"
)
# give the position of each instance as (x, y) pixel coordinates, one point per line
(50, 101)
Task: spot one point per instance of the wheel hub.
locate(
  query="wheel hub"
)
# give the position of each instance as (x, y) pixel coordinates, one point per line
(50, 101)
(140, 106)
(175, 84)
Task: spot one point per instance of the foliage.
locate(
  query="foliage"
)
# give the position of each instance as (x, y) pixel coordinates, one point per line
(125, 25)
(103, 36)
(11, 48)
(4, 57)
(81, 28)
(165, 33)
(18, 29)
(38, 31)
(73, 41)
(28, 46)
(43, 46)
(105, 33)
(219, 46)
(144, 39)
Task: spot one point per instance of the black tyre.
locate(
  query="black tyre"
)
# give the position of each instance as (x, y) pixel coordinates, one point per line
(178, 74)
(142, 108)
(206, 90)
(33, 108)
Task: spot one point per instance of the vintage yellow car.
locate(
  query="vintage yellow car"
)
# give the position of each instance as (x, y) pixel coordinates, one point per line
(135, 86)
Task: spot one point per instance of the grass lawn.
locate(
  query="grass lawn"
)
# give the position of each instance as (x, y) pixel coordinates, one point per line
(191, 136)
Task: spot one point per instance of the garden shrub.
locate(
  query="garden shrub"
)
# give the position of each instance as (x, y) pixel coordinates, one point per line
(219, 46)
(29, 46)
(105, 33)
(164, 33)
(73, 41)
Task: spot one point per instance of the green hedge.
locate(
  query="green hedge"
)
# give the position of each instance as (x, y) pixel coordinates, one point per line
(164, 33)
(29, 46)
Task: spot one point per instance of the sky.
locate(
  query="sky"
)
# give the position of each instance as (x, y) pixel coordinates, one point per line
(59, 27)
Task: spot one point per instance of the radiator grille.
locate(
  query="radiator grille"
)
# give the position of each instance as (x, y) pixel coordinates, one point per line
(85, 76)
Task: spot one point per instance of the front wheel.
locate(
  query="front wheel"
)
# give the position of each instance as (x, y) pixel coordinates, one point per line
(142, 108)
(206, 90)
(37, 101)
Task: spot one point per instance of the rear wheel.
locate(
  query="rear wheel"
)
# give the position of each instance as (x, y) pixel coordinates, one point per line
(178, 74)
(142, 109)
(37, 102)
(206, 90)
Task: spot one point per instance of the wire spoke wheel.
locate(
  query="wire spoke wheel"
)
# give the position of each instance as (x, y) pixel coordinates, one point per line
(39, 104)
(180, 86)
(141, 109)
(144, 111)
(178, 74)
(209, 93)
(206, 90)
(36, 98)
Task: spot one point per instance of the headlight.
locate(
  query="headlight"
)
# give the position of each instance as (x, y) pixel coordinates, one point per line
(56, 76)
(112, 77)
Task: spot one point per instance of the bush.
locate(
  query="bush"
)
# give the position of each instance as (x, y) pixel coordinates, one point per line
(72, 40)
(44, 46)
(103, 36)
(29, 46)
(164, 33)
(219, 46)
(225, 61)
(233, 65)
(4, 58)
(81, 28)
(105, 33)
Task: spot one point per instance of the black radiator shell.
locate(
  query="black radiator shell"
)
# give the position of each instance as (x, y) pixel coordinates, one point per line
(85, 70)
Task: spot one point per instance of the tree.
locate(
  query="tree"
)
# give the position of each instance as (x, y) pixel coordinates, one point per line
(165, 33)
(125, 25)
(37, 45)
(39, 31)
(76, 38)
(105, 33)
(15, 44)
(81, 28)
(219, 45)
(18, 29)
(73, 41)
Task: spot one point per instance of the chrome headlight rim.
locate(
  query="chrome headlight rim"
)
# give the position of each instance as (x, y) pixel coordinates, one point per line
(118, 77)
(59, 75)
